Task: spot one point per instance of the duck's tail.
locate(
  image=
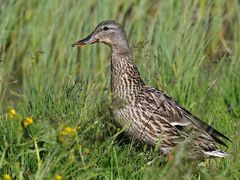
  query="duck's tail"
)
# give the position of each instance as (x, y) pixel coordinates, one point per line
(216, 153)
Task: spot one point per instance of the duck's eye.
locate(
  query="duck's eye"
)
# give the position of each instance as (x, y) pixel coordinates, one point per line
(105, 28)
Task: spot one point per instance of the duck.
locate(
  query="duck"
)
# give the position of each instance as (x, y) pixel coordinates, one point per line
(147, 114)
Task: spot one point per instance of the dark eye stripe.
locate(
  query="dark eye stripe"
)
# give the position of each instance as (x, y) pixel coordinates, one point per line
(105, 28)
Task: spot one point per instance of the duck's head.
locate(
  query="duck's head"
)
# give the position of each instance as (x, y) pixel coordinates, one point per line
(108, 32)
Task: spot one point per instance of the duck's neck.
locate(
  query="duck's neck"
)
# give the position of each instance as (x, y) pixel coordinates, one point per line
(126, 80)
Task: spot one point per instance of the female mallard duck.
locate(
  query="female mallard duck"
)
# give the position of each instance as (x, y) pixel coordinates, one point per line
(148, 114)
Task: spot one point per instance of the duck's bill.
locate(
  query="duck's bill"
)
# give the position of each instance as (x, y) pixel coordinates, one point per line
(88, 40)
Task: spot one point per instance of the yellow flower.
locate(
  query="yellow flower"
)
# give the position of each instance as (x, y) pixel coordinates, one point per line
(12, 113)
(7, 177)
(66, 134)
(58, 177)
(68, 131)
(27, 121)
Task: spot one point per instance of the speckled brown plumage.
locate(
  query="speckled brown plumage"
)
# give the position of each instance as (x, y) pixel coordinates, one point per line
(148, 114)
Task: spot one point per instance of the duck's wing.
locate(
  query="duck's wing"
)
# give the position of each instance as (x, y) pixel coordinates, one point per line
(178, 116)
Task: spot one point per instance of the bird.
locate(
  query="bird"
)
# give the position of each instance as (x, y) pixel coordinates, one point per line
(146, 113)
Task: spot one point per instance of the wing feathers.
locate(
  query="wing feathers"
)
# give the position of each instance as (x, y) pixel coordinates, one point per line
(195, 120)
(182, 117)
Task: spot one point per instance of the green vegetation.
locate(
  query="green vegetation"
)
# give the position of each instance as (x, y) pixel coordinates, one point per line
(190, 49)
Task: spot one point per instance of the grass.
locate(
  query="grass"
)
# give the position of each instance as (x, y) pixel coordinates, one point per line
(190, 49)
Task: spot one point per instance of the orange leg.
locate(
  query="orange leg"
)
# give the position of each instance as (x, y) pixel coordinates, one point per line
(170, 157)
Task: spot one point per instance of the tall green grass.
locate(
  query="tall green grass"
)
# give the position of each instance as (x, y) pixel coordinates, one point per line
(190, 49)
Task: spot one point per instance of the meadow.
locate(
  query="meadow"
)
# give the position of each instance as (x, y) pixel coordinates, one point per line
(55, 101)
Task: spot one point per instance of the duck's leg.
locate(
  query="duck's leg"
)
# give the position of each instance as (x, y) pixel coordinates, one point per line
(170, 157)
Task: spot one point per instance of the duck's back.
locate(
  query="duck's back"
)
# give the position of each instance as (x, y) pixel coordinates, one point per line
(155, 118)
